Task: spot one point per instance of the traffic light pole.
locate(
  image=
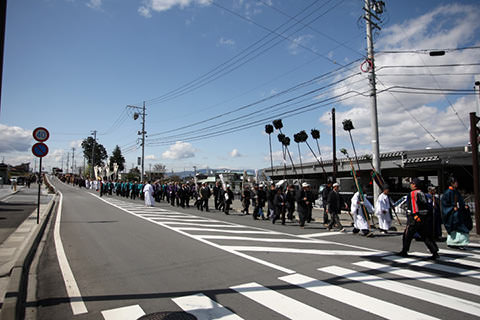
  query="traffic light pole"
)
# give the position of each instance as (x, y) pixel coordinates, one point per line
(476, 186)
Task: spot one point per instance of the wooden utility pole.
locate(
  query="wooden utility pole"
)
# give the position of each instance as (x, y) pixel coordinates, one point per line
(474, 134)
(334, 146)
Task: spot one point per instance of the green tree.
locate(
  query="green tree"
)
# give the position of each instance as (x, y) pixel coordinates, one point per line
(118, 158)
(100, 152)
(133, 174)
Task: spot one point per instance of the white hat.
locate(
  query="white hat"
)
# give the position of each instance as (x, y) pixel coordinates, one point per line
(228, 186)
(336, 184)
(305, 184)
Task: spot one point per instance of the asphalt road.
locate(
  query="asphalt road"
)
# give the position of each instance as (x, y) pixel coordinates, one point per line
(147, 260)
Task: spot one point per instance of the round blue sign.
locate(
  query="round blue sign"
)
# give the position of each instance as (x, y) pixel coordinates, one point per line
(40, 149)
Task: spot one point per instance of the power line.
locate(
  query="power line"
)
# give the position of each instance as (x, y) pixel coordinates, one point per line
(428, 51)
(291, 89)
(227, 64)
(285, 114)
(266, 109)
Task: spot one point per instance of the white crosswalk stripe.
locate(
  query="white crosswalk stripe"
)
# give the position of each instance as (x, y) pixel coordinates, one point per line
(408, 290)
(424, 277)
(204, 308)
(124, 313)
(280, 303)
(358, 300)
(457, 260)
(435, 266)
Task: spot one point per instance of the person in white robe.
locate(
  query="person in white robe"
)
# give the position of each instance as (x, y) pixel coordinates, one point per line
(382, 210)
(359, 221)
(148, 194)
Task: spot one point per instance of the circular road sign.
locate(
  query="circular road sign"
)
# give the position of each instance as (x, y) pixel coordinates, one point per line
(41, 134)
(40, 149)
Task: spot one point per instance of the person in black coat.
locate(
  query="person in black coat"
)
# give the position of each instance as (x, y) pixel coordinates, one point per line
(304, 203)
(246, 196)
(279, 203)
(290, 202)
(325, 193)
(216, 194)
(335, 204)
(228, 196)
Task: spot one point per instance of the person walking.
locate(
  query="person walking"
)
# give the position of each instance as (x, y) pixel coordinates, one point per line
(279, 202)
(418, 220)
(228, 196)
(246, 195)
(325, 193)
(335, 203)
(304, 203)
(148, 194)
(360, 211)
(383, 210)
(290, 202)
(456, 216)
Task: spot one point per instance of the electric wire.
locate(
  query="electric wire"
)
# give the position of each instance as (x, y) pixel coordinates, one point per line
(223, 66)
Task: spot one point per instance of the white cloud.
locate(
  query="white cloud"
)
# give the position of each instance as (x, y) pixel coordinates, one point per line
(95, 4)
(180, 150)
(164, 5)
(297, 42)
(235, 154)
(144, 11)
(151, 157)
(14, 139)
(226, 42)
(399, 114)
(76, 144)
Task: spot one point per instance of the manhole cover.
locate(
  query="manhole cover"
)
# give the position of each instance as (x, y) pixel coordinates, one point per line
(168, 316)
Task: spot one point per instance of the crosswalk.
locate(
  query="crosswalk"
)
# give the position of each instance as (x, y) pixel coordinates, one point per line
(376, 285)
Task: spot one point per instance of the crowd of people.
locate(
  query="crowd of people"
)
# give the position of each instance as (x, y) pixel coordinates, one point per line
(426, 212)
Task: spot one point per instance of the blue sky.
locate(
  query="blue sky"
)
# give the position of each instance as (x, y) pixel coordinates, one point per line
(73, 65)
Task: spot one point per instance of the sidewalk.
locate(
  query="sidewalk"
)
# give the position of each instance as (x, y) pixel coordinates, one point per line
(18, 226)
(6, 190)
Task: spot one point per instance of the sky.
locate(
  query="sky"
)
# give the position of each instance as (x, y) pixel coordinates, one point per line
(213, 73)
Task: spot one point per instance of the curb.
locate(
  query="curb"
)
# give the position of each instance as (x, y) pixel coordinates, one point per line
(15, 297)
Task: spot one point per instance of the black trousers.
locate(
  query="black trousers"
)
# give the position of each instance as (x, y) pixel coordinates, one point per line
(302, 215)
(334, 220)
(325, 214)
(423, 227)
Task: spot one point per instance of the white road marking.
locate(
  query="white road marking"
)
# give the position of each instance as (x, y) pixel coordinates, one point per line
(441, 299)
(304, 251)
(358, 300)
(321, 234)
(221, 237)
(435, 266)
(176, 222)
(227, 231)
(280, 303)
(457, 260)
(76, 301)
(175, 219)
(240, 254)
(124, 313)
(204, 308)
(466, 253)
(437, 280)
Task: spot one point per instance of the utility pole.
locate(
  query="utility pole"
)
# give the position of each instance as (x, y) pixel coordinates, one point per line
(94, 132)
(142, 133)
(73, 160)
(68, 160)
(477, 84)
(474, 133)
(376, 6)
(334, 146)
